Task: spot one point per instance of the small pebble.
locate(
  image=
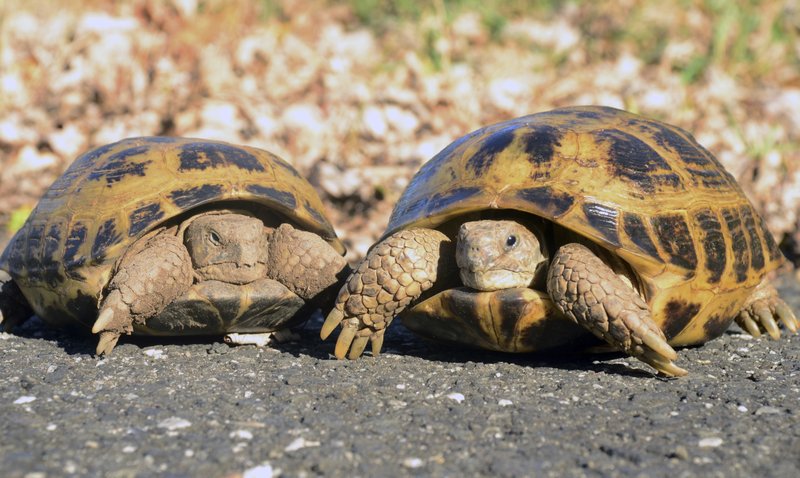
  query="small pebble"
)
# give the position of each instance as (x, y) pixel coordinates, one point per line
(263, 470)
(174, 423)
(412, 463)
(712, 442)
(741, 408)
(24, 399)
(299, 443)
(456, 396)
(768, 411)
(155, 353)
(242, 434)
(504, 403)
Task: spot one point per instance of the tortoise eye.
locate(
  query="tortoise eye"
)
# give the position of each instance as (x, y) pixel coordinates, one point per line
(511, 241)
(214, 238)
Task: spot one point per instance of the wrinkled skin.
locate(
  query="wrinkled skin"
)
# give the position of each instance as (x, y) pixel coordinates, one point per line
(494, 255)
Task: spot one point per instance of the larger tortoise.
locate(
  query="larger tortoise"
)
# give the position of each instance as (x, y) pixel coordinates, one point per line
(169, 236)
(576, 220)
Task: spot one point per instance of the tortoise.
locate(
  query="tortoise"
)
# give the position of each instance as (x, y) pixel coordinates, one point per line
(173, 236)
(554, 230)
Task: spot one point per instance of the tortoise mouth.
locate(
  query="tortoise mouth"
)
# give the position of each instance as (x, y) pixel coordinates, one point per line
(233, 272)
(487, 280)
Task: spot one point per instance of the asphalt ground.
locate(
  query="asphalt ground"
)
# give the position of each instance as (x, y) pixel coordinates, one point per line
(173, 407)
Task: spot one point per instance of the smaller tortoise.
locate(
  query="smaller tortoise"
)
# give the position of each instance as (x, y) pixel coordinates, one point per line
(173, 236)
(576, 220)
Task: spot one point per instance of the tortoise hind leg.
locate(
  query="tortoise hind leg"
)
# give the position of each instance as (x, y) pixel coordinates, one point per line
(14, 308)
(762, 309)
(588, 291)
(144, 284)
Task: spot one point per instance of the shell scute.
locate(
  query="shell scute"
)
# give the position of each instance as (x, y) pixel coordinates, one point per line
(635, 161)
(637, 232)
(141, 218)
(73, 260)
(121, 164)
(675, 239)
(604, 220)
(756, 250)
(201, 155)
(741, 258)
(540, 144)
(489, 147)
(452, 197)
(551, 201)
(107, 236)
(678, 313)
(684, 147)
(51, 264)
(712, 242)
(282, 197)
(187, 198)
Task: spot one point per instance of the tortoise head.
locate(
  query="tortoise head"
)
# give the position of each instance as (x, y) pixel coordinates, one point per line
(494, 255)
(227, 247)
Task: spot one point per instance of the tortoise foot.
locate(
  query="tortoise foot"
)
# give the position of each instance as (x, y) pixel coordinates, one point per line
(763, 311)
(585, 289)
(394, 274)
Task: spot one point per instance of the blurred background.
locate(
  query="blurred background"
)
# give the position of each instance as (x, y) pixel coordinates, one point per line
(357, 94)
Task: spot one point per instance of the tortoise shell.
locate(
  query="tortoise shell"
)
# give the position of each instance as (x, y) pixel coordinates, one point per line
(64, 255)
(644, 190)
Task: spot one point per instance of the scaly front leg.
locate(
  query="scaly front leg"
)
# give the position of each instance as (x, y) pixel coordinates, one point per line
(142, 287)
(589, 292)
(394, 274)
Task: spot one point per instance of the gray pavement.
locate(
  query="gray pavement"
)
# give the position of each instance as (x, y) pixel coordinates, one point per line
(201, 408)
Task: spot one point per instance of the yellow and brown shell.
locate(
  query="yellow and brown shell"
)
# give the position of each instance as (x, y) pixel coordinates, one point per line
(642, 189)
(109, 197)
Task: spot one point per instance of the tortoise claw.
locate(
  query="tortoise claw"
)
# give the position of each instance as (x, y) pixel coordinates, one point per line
(358, 346)
(331, 322)
(746, 322)
(103, 321)
(346, 337)
(377, 342)
(108, 340)
(763, 313)
(662, 365)
(786, 316)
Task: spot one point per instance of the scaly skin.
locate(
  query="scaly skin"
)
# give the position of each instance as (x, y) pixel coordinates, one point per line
(395, 273)
(304, 263)
(143, 286)
(586, 290)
